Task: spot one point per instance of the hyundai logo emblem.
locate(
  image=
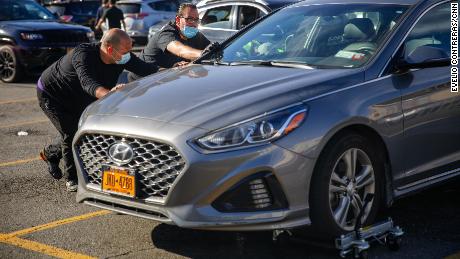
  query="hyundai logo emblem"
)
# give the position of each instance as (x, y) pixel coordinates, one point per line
(121, 153)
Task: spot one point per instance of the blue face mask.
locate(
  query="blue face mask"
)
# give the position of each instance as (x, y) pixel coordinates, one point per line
(189, 32)
(124, 58)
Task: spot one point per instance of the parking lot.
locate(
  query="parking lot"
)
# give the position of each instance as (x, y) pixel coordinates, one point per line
(40, 219)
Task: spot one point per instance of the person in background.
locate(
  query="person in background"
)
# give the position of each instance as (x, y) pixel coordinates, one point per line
(114, 16)
(76, 80)
(100, 11)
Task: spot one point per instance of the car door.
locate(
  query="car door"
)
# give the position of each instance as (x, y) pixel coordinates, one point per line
(218, 22)
(431, 111)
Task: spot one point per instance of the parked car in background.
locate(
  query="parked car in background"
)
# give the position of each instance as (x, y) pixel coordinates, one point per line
(140, 15)
(32, 38)
(222, 18)
(79, 12)
(303, 116)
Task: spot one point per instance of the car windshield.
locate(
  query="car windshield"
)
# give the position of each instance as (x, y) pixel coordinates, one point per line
(24, 10)
(325, 36)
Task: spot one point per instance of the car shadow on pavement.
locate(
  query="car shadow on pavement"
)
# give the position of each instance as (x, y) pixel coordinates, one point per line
(431, 214)
(219, 244)
(429, 219)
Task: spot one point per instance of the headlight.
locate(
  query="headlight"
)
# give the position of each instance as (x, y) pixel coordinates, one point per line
(260, 129)
(31, 36)
(90, 36)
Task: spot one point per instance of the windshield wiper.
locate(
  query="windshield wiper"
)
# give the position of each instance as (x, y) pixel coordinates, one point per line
(273, 63)
(214, 62)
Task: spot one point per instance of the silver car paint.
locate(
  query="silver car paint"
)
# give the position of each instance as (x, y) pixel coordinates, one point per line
(188, 203)
(381, 105)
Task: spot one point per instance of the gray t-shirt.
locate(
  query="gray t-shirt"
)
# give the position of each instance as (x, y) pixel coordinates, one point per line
(156, 51)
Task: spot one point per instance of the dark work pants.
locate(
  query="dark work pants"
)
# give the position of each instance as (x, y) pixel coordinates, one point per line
(65, 121)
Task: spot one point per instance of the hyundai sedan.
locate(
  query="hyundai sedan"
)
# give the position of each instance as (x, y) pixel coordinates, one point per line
(296, 121)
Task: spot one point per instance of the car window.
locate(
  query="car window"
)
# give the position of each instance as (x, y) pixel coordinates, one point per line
(218, 17)
(433, 29)
(83, 8)
(57, 9)
(247, 14)
(129, 8)
(329, 35)
(167, 6)
(24, 10)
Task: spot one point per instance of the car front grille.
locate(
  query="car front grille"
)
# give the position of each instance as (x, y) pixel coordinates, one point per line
(60, 37)
(156, 164)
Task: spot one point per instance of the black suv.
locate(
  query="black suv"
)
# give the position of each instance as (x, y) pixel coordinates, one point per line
(79, 12)
(31, 38)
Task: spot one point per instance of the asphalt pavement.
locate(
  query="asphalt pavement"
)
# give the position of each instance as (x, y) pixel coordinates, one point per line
(39, 219)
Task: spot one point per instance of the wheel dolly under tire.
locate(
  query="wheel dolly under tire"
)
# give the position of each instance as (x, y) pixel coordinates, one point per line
(357, 243)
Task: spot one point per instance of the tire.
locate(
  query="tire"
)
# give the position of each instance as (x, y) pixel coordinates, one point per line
(334, 202)
(10, 68)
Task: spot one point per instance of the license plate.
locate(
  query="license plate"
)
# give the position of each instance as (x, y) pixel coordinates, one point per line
(118, 181)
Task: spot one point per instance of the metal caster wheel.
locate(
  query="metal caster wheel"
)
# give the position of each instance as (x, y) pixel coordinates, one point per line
(361, 254)
(394, 243)
(282, 239)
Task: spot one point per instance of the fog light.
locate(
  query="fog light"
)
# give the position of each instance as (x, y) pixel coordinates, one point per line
(257, 192)
(260, 195)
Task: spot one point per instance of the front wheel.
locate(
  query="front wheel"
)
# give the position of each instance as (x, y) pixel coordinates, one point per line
(348, 169)
(10, 68)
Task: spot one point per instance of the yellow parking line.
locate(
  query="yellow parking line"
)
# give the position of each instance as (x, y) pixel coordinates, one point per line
(42, 248)
(19, 100)
(13, 239)
(58, 223)
(454, 256)
(23, 123)
(19, 162)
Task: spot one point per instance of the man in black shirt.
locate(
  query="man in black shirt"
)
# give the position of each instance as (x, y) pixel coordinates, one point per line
(178, 41)
(73, 82)
(114, 17)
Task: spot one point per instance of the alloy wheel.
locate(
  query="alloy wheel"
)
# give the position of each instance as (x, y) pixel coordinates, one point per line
(352, 178)
(7, 65)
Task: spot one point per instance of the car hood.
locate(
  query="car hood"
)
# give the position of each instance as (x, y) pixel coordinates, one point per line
(210, 97)
(38, 25)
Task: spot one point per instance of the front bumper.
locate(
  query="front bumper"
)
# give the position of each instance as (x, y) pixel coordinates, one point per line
(204, 179)
(36, 58)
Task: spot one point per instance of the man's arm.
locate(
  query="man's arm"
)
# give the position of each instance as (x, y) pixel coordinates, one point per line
(181, 50)
(140, 67)
(101, 20)
(86, 73)
(99, 23)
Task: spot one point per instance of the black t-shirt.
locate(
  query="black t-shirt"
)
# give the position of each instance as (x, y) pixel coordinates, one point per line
(73, 79)
(156, 47)
(114, 15)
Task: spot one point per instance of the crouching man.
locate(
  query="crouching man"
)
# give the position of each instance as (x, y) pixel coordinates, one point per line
(73, 82)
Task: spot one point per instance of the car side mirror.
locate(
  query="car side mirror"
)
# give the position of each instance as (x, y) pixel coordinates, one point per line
(424, 57)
